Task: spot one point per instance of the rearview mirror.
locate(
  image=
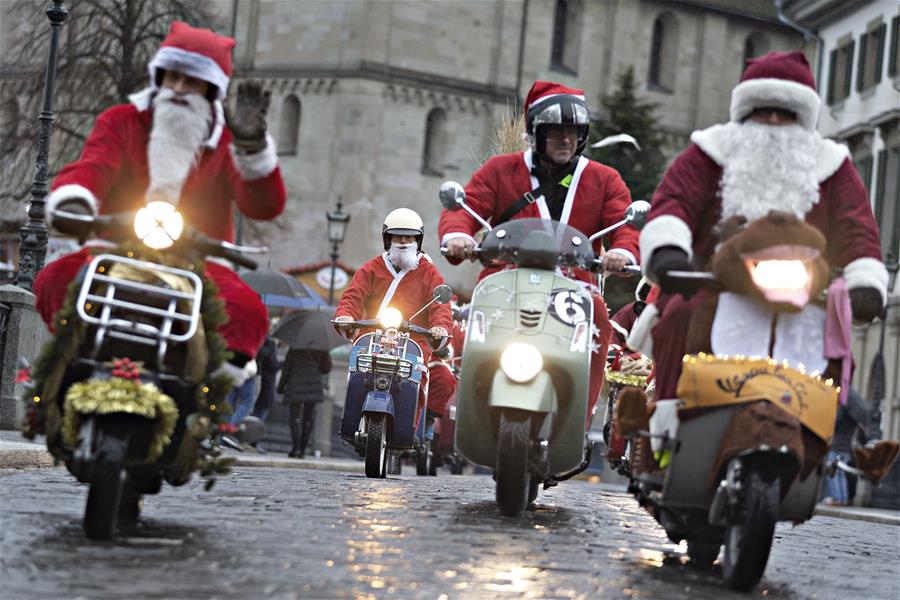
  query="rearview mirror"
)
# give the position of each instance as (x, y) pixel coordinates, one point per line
(452, 195)
(636, 214)
(443, 293)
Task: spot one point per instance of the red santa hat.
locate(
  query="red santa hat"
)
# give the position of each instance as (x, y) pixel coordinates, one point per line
(781, 80)
(200, 53)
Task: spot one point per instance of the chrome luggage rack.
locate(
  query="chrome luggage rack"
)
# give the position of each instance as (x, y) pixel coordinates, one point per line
(111, 311)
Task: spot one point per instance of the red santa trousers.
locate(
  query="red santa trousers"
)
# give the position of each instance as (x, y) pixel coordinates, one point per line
(244, 332)
(441, 385)
(598, 356)
(670, 339)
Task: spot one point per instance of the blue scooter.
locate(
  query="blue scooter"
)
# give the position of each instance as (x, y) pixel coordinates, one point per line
(385, 374)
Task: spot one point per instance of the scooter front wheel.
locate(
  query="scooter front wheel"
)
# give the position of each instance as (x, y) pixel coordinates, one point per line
(512, 473)
(748, 538)
(376, 446)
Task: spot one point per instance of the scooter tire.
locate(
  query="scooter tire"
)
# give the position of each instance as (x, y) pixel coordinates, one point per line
(533, 487)
(749, 538)
(376, 446)
(423, 459)
(512, 473)
(102, 509)
(457, 465)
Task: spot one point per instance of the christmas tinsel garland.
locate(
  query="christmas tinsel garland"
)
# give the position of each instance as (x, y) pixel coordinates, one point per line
(45, 415)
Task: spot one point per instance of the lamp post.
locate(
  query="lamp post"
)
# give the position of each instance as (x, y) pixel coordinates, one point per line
(33, 248)
(337, 227)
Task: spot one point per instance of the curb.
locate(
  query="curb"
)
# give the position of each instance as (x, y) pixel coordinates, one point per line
(24, 456)
(311, 464)
(860, 514)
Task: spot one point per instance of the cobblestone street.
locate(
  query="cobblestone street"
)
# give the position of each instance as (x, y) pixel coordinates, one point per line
(285, 533)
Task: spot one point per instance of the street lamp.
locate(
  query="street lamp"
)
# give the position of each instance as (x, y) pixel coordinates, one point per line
(337, 227)
(33, 248)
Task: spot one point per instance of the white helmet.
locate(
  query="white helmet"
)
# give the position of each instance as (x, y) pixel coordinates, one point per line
(402, 221)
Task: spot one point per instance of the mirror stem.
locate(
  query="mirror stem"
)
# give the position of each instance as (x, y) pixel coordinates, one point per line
(419, 312)
(476, 216)
(603, 232)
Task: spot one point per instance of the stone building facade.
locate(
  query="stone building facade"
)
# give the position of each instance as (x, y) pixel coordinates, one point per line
(377, 103)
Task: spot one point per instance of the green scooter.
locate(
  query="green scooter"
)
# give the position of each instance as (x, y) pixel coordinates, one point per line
(523, 391)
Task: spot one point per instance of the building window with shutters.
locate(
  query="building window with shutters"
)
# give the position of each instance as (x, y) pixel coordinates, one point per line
(755, 45)
(435, 148)
(663, 54)
(887, 202)
(566, 36)
(871, 56)
(289, 126)
(894, 55)
(839, 72)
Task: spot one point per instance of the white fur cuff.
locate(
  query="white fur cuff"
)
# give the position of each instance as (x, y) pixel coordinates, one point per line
(456, 234)
(640, 338)
(664, 230)
(258, 165)
(867, 272)
(69, 192)
(623, 252)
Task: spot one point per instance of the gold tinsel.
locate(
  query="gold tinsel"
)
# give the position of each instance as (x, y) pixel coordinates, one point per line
(624, 379)
(117, 395)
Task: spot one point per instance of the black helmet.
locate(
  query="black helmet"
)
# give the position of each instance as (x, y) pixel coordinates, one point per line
(549, 104)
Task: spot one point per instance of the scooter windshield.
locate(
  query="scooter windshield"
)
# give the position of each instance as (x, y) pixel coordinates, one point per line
(537, 243)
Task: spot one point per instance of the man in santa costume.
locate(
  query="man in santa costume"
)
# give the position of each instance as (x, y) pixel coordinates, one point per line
(403, 277)
(768, 157)
(175, 143)
(551, 180)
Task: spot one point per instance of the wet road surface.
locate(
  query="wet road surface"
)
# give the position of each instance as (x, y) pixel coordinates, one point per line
(286, 533)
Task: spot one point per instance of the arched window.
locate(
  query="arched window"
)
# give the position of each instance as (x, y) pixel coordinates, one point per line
(9, 125)
(566, 36)
(433, 154)
(289, 128)
(755, 45)
(663, 53)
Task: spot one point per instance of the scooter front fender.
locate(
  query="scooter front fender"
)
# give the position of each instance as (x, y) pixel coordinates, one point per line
(379, 402)
(537, 395)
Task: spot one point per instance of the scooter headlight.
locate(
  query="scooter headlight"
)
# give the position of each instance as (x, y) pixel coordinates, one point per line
(521, 362)
(390, 318)
(782, 280)
(158, 224)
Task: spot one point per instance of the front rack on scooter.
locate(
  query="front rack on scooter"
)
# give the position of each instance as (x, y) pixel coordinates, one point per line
(114, 304)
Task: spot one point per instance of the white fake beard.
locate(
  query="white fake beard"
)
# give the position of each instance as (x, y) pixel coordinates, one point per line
(404, 256)
(176, 139)
(769, 168)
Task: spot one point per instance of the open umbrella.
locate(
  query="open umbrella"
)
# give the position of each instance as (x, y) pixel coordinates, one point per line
(309, 330)
(270, 281)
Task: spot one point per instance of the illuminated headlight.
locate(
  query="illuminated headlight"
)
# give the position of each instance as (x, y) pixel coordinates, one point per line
(780, 275)
(158, 224)
(390, 318)
(521, 362)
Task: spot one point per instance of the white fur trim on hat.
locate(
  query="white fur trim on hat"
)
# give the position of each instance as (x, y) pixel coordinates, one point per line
(713, 141)
(71, 191)
(640, 338)
(664, 230)
(194, 64)
(867, 272)
(257, 165)
(780, 93)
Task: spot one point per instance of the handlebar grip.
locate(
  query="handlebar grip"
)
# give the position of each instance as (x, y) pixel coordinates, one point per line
(71, 224)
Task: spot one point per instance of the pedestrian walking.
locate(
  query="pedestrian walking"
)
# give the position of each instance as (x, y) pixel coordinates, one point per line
(268, 366)
(302, 386)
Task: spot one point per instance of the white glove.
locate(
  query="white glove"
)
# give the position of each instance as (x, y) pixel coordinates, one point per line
(438, 332)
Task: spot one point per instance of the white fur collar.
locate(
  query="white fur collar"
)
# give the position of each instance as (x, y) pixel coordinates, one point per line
(829, 154)
(143, 98)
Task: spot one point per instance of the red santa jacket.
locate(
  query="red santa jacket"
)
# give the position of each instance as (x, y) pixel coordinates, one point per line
(441, 385)
(112, 173)
(686, 207)
(597, 198)
(376, 285)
